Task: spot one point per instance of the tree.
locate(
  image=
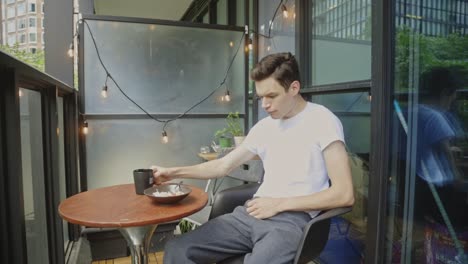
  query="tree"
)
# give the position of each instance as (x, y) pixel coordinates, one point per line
(34, 59)
(427, 52)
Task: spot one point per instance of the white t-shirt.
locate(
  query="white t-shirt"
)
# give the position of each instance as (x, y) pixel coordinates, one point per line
(291, 151)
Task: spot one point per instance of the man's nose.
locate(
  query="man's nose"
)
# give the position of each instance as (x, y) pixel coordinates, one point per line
(265, 103)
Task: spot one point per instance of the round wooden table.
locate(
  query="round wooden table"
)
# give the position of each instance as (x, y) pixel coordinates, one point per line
(136, 216)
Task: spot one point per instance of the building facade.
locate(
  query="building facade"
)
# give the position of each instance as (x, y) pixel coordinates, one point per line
(23, 24)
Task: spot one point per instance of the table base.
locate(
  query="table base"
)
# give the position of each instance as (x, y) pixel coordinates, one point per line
(138, 239)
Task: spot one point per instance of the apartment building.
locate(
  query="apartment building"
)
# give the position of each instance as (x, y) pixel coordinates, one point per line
(23, 23)
(351, 19)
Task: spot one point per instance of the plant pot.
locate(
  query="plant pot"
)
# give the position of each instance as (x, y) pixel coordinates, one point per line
(225, 142)
(238, 140)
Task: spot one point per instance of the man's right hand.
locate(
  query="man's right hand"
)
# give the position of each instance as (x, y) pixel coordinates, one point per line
(160, 174)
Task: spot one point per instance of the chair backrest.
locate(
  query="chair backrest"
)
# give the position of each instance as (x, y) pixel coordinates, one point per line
(315, 235)
(226, 200)
(250, 171)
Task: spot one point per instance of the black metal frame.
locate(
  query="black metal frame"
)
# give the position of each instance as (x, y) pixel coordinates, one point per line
(12, 209)
(254, 25)
(303, 40)
(51, 174)
(383, 43)
(15, 74)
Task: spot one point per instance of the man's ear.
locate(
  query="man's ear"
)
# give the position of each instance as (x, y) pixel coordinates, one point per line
(295, 87)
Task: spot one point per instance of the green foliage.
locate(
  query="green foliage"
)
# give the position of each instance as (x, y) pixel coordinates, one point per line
(185, 226)
(421, 52)
(34, 59)
(233, 127)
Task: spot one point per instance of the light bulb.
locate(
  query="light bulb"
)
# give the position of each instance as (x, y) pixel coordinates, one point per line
(222, 98)
(250, 44)
(20, 92)
(227, 97)
(369, 97)
(268, 48)
(294, 15)
(85, 128)
(71, 50)
(285, 11)
(164, 138)
(231, 44)
(104, 91)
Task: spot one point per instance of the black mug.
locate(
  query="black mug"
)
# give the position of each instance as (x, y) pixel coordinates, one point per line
(143, 179)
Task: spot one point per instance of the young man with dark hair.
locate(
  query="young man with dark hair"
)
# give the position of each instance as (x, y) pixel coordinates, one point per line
(302, 148)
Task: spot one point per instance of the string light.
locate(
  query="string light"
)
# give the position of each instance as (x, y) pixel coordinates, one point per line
(85, 128)
(369, 96)
(227, 96)
(231, 44)
(250, 44)
(71, 50)
(285, 11)
(164, 138)
(104, 88)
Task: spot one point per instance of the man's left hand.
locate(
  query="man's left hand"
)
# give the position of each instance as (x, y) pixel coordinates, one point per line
(263, 207)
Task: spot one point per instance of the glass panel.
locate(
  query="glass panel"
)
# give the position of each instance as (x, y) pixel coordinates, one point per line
(221, 12)
(240, 20)
(140, 147)
(169, 69)
(282, 30)
(346, 243)
(341, 41)
(61, 163)
(427, 216)
(33, 176)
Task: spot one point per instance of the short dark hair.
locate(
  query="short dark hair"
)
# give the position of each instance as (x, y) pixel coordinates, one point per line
(282, 67)
(442, 80)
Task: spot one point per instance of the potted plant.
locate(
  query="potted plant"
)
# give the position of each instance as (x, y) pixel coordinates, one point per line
(232, 130)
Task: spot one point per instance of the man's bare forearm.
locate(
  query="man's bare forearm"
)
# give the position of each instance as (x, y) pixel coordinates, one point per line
(206, 170)
(324, 200)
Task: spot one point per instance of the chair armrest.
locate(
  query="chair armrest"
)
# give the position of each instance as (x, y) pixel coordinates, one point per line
(315, 235)
(329, 214)
(226, 200)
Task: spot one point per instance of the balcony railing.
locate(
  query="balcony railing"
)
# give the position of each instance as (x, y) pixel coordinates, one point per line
(38, 163)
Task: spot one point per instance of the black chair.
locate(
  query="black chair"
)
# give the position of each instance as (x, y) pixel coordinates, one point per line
(315, 235)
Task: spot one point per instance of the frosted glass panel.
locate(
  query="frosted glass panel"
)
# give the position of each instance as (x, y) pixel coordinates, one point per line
(33, 177)
(116, 147)
(165, 69)
(336, 61)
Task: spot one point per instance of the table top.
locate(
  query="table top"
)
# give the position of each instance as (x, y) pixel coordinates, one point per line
(119, 206)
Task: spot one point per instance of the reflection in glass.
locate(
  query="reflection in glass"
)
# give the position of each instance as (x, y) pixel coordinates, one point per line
(33, 177)
(341, 41)
(276, 32)
(427, 217)
(347, 234)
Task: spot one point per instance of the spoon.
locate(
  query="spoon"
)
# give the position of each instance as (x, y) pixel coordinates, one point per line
(177, 186)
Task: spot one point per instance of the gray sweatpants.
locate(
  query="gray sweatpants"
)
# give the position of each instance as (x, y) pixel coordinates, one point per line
(271, 241)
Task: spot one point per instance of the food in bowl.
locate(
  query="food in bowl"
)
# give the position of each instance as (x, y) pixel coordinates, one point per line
(168, 193)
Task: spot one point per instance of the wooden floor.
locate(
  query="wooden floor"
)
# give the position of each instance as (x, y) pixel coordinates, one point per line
(153, 258)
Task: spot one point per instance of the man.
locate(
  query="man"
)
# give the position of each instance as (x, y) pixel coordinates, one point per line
(302, 148)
